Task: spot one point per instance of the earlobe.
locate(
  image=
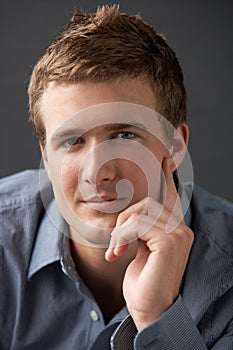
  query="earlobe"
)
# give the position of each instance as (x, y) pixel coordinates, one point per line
(179, 147)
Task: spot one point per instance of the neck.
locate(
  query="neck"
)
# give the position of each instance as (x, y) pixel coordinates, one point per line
(92, 266)
(104, 279)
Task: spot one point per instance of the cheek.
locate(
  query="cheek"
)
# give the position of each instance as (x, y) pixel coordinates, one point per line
(69, 178)
(145, 180)
(64, 177)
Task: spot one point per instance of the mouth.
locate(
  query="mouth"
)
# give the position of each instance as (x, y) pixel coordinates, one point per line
(99, 199)
(107, 204)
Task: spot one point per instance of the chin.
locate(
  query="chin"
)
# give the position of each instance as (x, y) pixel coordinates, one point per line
(98, 219)
(92, 230)
(102, 223)
(91, 235)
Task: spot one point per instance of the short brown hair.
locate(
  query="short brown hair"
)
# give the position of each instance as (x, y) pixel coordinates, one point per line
(104, 46)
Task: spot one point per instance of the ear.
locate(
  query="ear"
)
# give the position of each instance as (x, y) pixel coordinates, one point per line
(45, 159)
(180, 143)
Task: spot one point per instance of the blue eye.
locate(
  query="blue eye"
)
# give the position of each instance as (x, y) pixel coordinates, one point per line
(125, 135)
(74, 141)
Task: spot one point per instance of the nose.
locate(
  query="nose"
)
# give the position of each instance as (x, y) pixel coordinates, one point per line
(98, 167)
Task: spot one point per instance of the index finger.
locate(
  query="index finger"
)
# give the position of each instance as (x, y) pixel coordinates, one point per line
(136, 208)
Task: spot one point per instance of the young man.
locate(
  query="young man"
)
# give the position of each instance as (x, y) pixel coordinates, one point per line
(107, 260)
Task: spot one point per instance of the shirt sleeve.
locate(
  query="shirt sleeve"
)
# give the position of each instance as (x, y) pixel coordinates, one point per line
(174, 330)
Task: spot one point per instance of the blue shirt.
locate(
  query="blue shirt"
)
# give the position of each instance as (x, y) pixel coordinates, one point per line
(44, 304)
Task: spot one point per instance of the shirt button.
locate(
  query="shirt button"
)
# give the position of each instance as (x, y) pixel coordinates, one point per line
(94, 315)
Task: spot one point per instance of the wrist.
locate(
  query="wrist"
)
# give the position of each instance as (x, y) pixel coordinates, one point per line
(143, 319)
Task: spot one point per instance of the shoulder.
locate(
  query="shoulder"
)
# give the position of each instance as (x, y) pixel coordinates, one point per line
(209, 272)
(214, 216)
(23, 189)
(21, 209)
(19, 189)
(21, 212)
(214, 203)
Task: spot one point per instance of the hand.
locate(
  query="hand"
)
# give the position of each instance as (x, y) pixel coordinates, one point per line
(152, 280)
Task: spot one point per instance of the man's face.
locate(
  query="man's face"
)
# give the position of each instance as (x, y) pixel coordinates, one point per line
(110, 165)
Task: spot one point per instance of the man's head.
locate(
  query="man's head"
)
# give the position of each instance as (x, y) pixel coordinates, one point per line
(102, 78)
(108, 46)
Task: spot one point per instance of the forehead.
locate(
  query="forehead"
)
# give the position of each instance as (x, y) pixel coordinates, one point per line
(60, 102)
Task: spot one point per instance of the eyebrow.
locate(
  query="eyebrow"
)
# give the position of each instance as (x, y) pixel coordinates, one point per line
(63, 134)
(120, 126)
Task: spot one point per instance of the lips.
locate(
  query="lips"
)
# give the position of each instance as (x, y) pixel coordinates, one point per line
(107, 204)
(103, 198)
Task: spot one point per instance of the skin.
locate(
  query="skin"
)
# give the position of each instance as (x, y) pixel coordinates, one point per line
(149, 266)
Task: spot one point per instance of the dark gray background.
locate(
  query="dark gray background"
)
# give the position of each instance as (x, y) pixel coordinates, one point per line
(201, 33)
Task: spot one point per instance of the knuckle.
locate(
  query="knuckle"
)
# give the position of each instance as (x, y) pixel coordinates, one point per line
(186, 235)
(189, 234)
(134, 216)
(183, 232)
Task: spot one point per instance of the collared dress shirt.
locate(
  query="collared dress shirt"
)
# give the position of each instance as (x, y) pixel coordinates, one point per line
(44, 304)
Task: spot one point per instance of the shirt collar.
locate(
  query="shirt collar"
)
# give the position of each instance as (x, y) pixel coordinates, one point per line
(185, 196)
(185, 192)
(49, 240)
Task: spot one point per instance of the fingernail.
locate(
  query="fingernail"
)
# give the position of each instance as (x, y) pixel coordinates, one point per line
(116, 250)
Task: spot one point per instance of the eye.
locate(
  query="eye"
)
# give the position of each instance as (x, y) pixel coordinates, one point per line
(125, 135)
(74, 141)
